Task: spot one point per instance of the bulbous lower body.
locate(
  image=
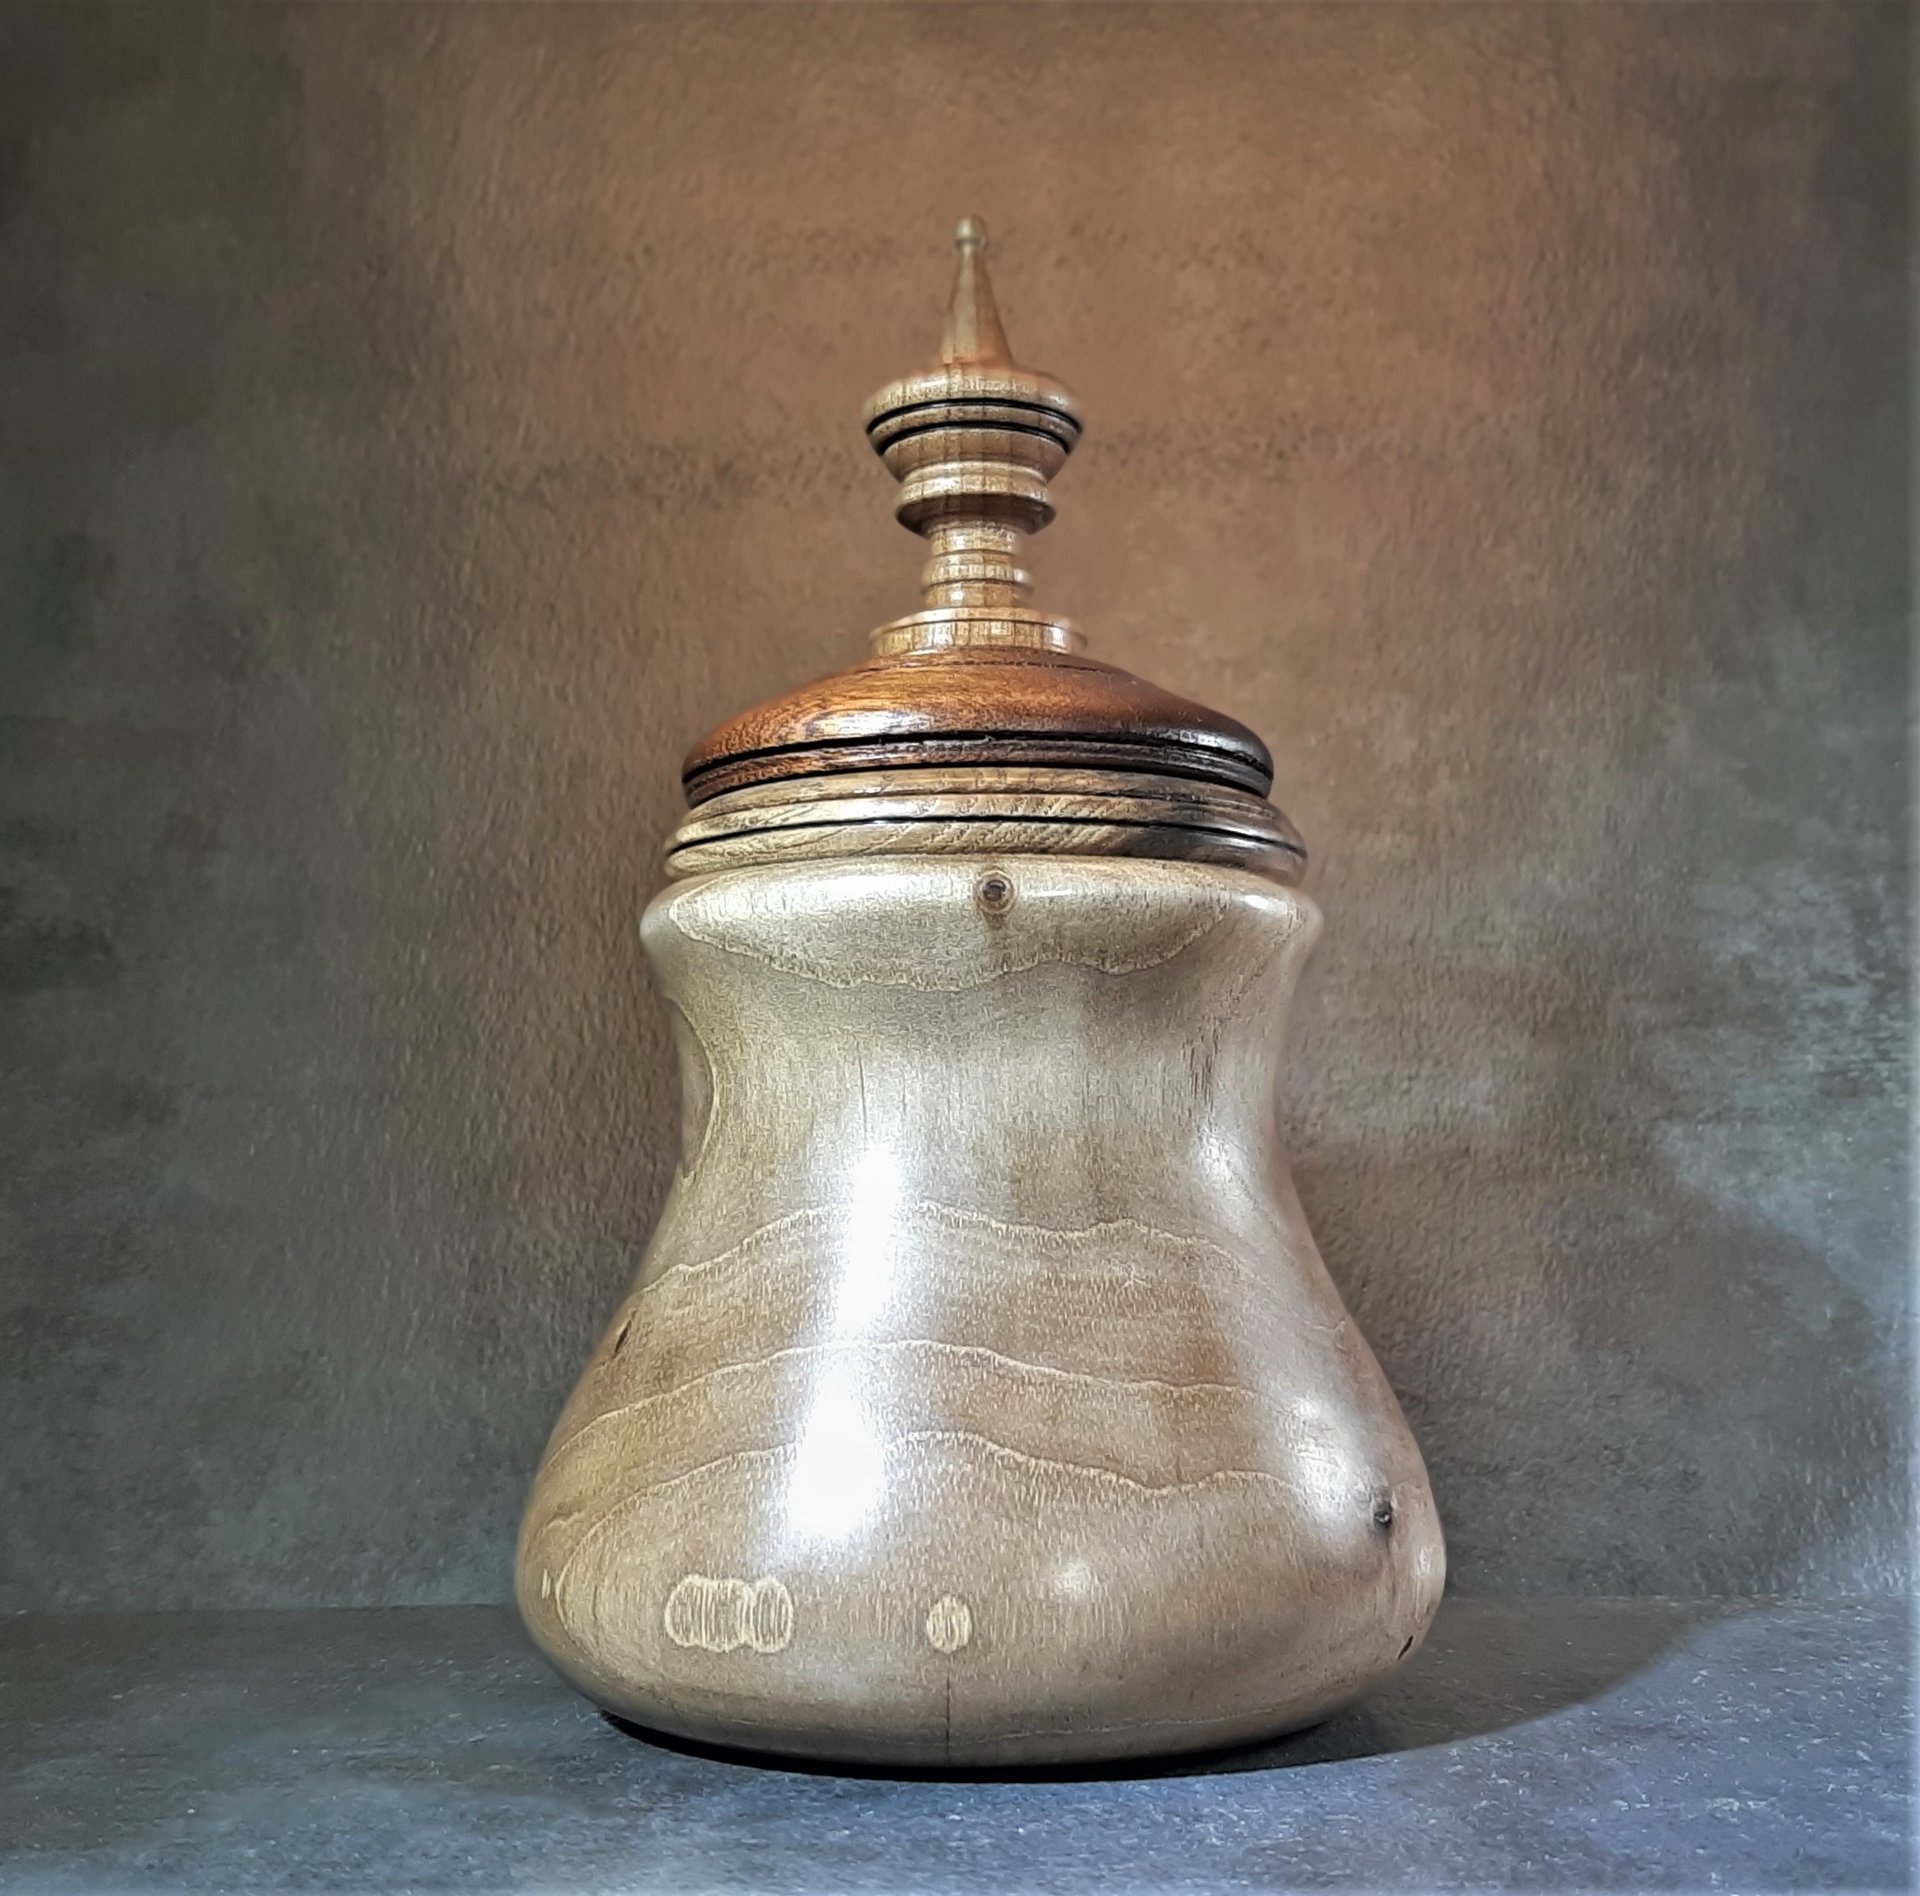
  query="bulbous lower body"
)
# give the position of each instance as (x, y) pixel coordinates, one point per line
(982, 1399)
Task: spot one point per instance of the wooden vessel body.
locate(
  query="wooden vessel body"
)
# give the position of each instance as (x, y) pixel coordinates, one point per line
(982, 1399)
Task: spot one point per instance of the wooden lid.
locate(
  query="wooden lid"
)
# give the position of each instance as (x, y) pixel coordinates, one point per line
(977, 705)
(978, 676)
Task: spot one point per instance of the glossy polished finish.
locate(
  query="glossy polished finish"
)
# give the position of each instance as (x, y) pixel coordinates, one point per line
(977, 703)
(983, 1398)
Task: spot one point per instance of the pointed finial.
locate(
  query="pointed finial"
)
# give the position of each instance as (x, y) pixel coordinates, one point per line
(973, 335)
(973, 443)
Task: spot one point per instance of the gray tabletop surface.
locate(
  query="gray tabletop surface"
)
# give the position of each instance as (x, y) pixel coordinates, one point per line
(1603, 1745)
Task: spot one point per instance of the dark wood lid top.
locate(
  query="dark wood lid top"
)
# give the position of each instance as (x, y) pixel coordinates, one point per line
(979, 705)
(977, 676)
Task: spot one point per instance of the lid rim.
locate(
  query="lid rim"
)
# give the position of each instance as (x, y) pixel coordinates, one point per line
(1229, 768)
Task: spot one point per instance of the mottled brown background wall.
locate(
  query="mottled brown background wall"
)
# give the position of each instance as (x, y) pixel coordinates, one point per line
(418, 423)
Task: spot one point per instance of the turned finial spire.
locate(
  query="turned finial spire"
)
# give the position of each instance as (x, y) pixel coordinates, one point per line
(973, 334)
(973, 443)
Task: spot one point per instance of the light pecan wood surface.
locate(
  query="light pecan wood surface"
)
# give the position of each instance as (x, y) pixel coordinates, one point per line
(982, 1398)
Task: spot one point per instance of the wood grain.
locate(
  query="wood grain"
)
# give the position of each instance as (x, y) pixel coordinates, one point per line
(982, 1398)
(987, 810)
(980, 704)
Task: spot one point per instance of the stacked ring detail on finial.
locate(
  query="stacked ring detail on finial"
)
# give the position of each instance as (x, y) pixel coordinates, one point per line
(978, 679)
(977, 437)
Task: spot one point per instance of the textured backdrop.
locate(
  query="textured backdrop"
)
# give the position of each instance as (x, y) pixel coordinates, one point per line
(418, 424)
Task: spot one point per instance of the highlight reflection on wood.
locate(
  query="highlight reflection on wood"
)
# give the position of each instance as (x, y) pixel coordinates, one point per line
(983, 1398)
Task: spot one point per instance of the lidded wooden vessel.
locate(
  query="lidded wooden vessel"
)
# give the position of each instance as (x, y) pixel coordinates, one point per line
(982, 1398)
